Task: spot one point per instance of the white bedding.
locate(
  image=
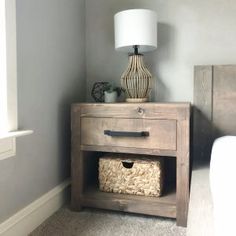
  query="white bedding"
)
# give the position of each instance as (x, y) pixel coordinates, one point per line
(223, 185)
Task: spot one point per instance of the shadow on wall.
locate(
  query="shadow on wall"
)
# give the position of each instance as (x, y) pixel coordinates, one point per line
(159, 91)
(158, 59)
(203, 135)
(64, 132)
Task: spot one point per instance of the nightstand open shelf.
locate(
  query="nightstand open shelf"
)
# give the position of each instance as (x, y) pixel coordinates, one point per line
(91, 196)
(168, 126)
(163, 206)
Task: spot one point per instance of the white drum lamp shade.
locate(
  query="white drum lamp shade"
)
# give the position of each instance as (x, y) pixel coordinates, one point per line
(136, 27)
(136, 31)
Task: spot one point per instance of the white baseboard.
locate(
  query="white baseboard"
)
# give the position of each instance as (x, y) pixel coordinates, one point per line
(29, 218)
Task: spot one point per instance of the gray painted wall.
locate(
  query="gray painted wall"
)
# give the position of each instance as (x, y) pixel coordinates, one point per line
(51, 75)
(190, 32)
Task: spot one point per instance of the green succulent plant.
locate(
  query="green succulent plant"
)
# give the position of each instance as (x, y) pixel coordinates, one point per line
(110, 87)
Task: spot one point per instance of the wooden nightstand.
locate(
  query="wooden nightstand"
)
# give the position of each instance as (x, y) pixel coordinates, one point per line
(168, 126)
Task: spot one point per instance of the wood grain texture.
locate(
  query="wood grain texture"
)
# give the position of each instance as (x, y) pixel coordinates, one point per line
(202, 112)
(162, 133)
(146, 150)
(224, 100)
(169, 122)
(214, 107)
(183, 142)
(164, 206)
(134, 110)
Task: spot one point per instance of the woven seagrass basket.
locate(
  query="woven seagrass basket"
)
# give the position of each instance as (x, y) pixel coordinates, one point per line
(130, 174)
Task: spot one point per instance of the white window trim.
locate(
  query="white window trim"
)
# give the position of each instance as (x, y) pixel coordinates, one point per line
(8, 143)
(11, 64)
(8, 139)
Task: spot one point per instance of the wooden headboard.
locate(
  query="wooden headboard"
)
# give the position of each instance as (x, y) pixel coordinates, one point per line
(214, 112)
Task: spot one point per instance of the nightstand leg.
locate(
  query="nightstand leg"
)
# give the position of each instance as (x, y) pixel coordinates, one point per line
(76, 160)
(182, 165)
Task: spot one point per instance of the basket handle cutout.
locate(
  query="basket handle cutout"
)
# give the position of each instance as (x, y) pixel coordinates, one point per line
(128, 164)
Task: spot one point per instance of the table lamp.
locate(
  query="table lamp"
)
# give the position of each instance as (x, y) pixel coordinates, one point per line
(136, 32)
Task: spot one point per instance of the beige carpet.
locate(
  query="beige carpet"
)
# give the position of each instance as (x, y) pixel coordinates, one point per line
(106, 223)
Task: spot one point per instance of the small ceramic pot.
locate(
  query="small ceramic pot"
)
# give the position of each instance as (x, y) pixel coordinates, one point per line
(110, 96)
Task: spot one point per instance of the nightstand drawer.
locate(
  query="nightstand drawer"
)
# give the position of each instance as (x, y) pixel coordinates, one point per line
(141, 133)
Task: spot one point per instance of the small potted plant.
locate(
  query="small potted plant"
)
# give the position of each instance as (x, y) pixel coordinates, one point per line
(111, 92)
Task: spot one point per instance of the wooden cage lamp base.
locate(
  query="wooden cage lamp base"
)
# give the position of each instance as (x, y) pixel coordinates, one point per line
(136, 80)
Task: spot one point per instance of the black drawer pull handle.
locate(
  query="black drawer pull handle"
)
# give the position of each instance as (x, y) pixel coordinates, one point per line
(126, 133)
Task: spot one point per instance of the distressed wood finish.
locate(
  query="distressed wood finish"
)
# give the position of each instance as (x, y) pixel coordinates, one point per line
(214, 107)
(168, 124)
(182, 188)
(162, 132)
(202, 116)
(146, 150)
(224, 100)
(134, 110)
(163, 206)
